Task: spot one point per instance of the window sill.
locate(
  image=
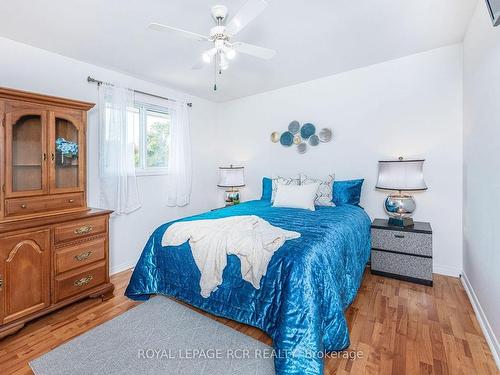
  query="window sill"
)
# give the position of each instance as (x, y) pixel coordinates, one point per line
(150, 172)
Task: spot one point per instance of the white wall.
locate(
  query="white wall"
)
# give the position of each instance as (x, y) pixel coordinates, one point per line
(481, 171)
(28, 68)
(410, 107)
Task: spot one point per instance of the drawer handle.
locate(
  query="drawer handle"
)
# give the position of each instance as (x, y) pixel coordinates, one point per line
(83, 230)
(83, 256)
(23, 206)
(71, 200)
(399, 236)
(83, 281)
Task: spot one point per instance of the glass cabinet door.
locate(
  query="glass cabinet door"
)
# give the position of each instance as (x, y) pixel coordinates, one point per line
(25, 153)
(67, 153)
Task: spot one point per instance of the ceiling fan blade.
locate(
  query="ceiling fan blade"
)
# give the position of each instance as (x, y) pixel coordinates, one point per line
(250, 49)
(173, 30)
(245, 15)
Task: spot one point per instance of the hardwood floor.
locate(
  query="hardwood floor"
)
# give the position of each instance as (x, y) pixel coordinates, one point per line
(401, 328)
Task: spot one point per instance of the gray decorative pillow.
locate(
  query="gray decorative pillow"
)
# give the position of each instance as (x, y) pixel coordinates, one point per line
(325, 192)
(283, 181)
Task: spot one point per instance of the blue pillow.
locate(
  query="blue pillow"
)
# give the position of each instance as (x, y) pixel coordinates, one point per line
(347, 192)
(267, 189)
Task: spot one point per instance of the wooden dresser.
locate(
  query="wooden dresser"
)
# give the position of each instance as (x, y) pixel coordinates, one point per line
(53, 248)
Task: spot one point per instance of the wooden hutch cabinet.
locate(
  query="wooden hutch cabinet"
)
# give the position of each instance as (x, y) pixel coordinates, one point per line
(53, 248)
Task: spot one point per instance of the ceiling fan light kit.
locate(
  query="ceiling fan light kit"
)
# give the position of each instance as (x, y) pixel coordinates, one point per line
(224, 49)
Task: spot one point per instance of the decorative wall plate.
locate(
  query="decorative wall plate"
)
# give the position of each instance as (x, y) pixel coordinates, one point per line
(314, 140)
(302, 136)
(286, 139)
(325, 135)
(307, 130)
(302, 148)
(275, 137)
(294, 127)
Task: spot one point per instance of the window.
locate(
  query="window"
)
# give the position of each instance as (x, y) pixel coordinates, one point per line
(151, 132)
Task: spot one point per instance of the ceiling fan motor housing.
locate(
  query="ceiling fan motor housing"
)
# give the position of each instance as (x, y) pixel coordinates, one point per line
(219, 12)
(218, 33)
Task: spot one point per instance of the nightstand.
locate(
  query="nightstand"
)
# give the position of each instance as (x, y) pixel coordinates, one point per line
(403, 253)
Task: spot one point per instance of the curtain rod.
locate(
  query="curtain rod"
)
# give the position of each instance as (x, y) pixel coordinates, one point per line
(96, 81)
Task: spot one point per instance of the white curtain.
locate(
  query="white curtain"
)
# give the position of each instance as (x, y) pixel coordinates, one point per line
(118, 182)
(179, 161)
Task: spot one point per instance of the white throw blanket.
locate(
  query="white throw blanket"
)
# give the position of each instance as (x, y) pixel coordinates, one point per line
(250, 238)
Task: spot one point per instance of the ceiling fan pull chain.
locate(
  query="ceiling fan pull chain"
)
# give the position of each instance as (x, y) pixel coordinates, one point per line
(215, 74)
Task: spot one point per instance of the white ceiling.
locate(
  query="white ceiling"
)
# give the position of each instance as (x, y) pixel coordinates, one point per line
(313, 38)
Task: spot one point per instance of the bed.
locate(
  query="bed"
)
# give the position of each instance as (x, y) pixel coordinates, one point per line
(309, 284)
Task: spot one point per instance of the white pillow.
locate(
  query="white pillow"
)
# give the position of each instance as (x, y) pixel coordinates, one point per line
(283, 181)
(296, 196)
(324, 196)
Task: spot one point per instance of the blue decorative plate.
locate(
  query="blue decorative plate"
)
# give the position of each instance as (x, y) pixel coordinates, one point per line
(294, 127)
(307, 130)
(314, 140)
(286, 139)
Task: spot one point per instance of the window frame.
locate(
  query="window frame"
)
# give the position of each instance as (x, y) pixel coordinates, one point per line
(143, 108)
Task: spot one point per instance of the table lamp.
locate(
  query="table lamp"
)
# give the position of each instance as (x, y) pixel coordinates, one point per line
(231, 177)
(401, 176)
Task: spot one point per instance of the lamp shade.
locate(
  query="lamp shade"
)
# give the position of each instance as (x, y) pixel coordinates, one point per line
(404, 175)
(231, 177)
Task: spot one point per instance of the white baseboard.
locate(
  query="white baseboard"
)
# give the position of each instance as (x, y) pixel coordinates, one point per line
(446, 270)
(491, 339)
(121, 267)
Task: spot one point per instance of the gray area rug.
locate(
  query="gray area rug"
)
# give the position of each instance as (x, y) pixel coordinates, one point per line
(159, 336)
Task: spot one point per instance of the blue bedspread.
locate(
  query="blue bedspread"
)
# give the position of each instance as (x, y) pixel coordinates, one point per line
(310, 281)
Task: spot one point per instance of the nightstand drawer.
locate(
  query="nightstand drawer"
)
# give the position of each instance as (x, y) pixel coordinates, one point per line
(402, 242)
(401, 266)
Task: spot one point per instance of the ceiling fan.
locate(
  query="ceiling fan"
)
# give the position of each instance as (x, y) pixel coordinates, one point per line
(221, 35)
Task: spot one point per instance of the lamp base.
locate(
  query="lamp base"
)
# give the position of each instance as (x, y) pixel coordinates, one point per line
(232, 197)
(401, 222)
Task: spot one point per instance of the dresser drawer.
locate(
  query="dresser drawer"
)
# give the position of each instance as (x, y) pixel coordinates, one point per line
(81, 228)
(33, 205)
(79, 255)
(403, 242)
(79, 280)
(402, 266)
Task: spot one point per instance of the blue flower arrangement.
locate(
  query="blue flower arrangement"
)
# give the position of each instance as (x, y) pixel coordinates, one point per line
(67, 148)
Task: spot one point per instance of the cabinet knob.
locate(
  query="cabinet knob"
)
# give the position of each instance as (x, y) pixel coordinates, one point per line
(71, 200)
(23, 206)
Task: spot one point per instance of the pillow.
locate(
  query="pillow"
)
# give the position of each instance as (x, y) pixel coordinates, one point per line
(267, 189)
(269, 186)
(296, 196)
(324, 196)
(347, 192)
